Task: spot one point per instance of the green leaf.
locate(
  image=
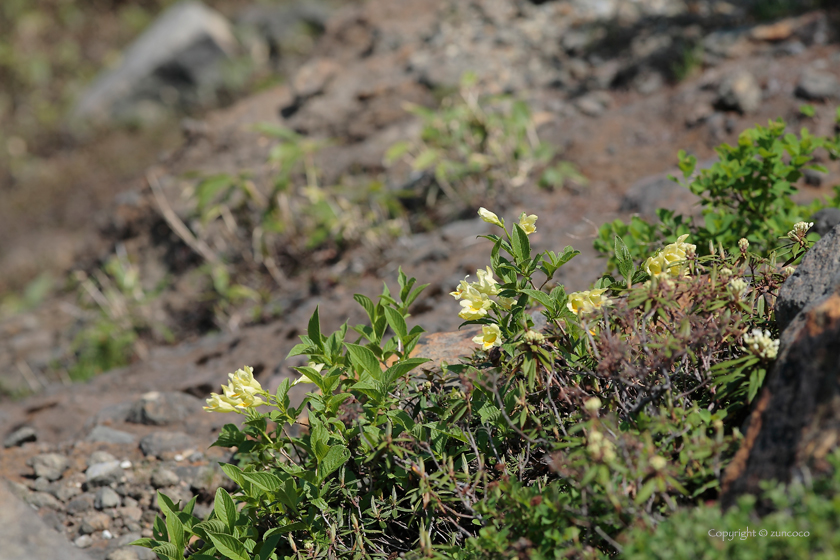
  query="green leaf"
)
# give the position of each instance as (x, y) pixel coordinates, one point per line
(337, 456)
(314, 330)
(268, 546)
(623, 258)
(363, 357)
(229, 546)
(229, 436)
(145, 543)
(520, 243)
(263, 480)
(169, 551)
(225, 508)
(396, 322)
(542, 297)
(401, 368)
(176, 532)
(234, 472)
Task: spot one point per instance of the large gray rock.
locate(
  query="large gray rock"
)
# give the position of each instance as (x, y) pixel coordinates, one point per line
(740, 92)
(49, 465)
(26, 537)
(175, 62)
(814, 280)
(161, 409)
(159, 444)
(817, 85)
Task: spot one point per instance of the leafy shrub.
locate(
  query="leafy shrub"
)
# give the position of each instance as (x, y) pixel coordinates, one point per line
(746, 193)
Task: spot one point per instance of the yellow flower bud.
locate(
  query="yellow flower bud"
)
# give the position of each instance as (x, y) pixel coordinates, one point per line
(489, 217)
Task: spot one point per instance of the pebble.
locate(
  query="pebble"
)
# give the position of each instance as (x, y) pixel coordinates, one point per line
(43, 499)
(159, 443)
(817, 85)
(100, 457)
(125, 464)
(162, 478)
(20, 436)
(105, 434)
(103, 474)
(107, 535)
(740, 92)
(95, 522)
(106, 498)
(84, 541)
(49, 465)
(82, 503)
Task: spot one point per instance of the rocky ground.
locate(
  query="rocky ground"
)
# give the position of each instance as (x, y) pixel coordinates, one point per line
(608, 82)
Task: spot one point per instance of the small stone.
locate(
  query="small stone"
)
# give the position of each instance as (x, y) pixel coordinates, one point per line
(817, 86)
(65, 492)
(594, 104)
(43, 499)
(81, 504)
(41, 484)
(158, 444)
(178, 457)
(84, 541)
(125, 464)
(130, 513)
(95, 522)
(162, 478)
(103, 474)
(106, 498)
(196, 457)
(740, 92)
(813, 178)
(105, 434)
(49, 465)
(20, 436)
(100, 457)
(128, 501)
(162, 409)
(107, 535)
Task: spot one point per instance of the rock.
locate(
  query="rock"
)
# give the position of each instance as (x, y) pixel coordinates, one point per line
(159, 443)
(313, 76)
(106, 498)
(162, 478)
(84, 541)
(104, 434)
(41, 484)
(94, 522)
(793, 425)
(107, 535)
(20, 436)
(24, 536)
(593, 104)
(130, 513)
(44, 499)
(824, 220)
(648, 194)
(81, 504)
(817, 85)
(65, 492)
(815, 279)
(813, 178)
(162, 409)
(176, 61)
(49, 465)
(103, 474)
(740, 92)
(124, 553)
(100, 457)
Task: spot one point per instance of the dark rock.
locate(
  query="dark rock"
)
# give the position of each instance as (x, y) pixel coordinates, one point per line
(813, 178)
(817, 85)
(161, 409)
(49, 465)
(825, 220)
(176, 61)
(162, 478)
(740, 92)
(24, 536)
(794, 421)
(95, 521)
(20, 436)
(81, 503)
(106, 498)
(103, 474)
(104, 434)
(159, 443)
(814, 279)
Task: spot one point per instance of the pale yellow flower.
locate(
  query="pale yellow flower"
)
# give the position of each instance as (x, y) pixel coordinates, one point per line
(304, 378)
(528, 223)
(671, 259)
(462, 288)
(486, 284)
(587, 301)
(592, 404)
(490, 336)
(743, 245)
(738, 287)
(761, 344)
(242, 380)
(489, 217)
(506, 302)
(475, 306)
(220, 403)
(658, 462)
(534, 337)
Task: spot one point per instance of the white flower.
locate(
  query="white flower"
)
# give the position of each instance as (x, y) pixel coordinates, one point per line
(743, 245)
(800, 229)
(738, 287)
(761, 344)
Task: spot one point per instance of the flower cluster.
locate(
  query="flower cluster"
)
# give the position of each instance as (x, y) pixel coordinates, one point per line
(243, 392)
(799, 231)
(761, 344)
(600, 447)
(526, 222)
(587, 301)
(671, 259)
(738, 287)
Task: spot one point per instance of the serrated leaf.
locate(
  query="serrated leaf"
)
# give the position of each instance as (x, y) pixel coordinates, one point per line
(263, 480)
(542, 297)
(169, 551)
(234, 472)
(229, 546)
(176, 532)
(145, 543)
(623, 258)
(225, 508)
(401, 368)
(520, 244)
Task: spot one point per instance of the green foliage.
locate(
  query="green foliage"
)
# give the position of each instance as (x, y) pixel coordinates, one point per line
(746, 193)
(802, 523)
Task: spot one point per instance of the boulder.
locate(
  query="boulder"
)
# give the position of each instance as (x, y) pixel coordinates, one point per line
(174, 63)
(815, 279)
(817, 85)
(740, 92)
